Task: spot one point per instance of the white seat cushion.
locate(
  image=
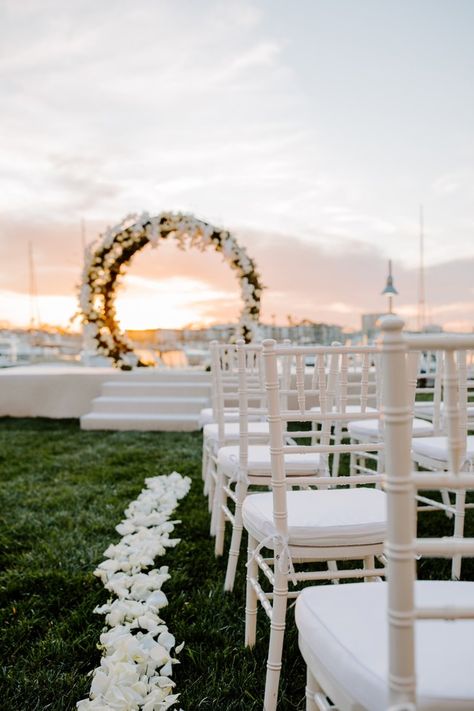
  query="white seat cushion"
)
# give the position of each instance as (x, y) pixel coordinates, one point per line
(232, 431)
(427, 409)
(369, 429)
(259, 461)
(424, 408)
(344, 630)
(436, 448)
(329, 517)
(206, 416)
(231, 414)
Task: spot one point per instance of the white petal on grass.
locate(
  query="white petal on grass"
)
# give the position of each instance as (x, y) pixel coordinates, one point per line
(138, 643)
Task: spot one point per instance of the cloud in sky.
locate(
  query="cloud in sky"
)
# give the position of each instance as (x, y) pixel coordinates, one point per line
(307, 280)
(315, 135)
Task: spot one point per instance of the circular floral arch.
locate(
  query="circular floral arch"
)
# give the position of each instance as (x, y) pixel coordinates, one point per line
(105, 263)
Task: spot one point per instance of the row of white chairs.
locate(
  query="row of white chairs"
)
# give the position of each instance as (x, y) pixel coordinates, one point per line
(264, 400)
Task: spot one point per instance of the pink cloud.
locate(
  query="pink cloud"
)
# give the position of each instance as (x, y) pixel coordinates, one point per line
(301, 277)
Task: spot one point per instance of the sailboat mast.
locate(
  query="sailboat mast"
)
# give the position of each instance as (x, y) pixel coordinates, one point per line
(83, 236)
(35, 320)
(421, 278)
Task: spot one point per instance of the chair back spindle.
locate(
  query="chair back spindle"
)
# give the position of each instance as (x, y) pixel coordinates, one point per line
(402, 483)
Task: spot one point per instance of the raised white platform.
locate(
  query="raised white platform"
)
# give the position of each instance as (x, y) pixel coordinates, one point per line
(162, 399)
(136, 421)
(148, 405)
(156, 388)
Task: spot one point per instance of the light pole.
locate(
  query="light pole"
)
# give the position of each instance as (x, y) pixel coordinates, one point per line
(389, 288)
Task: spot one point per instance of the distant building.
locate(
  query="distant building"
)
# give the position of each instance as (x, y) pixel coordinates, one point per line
(370, 326)
(431, 328)
(304, 332)
(156, 337)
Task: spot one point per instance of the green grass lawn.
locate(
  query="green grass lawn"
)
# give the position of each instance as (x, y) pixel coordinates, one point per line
(62, 493)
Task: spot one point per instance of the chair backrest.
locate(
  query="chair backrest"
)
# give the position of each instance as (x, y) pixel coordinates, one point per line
(226, 374)
(251, 395)
(224, 381)
(428, 392)
(402, 483)
(321, 381)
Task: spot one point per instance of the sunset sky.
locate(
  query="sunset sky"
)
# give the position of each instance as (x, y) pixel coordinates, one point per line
(313, 130)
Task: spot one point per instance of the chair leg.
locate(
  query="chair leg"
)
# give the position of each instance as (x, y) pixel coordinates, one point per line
(204, 461)
(458, 532)
(211, 478)
(205, 468)
(337, 455)
(251, 595)
(312, 688)
(277, 634)
(234, 550)
(214, 501)
(218, 516)
(446, 499)
(332, 567)
(352, 461)
(369, 562)
(380, 462)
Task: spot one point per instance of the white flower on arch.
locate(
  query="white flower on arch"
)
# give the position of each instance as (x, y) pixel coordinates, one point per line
(105, 263)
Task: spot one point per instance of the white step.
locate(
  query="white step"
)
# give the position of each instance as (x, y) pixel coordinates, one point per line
(149, 405)
(158, 375)
(169, 423)
(115, 388)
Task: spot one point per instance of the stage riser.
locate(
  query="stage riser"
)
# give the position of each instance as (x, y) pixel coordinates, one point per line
(163, 376)
(152, 389)
(169, 402)
(149, 405)
(141, 423)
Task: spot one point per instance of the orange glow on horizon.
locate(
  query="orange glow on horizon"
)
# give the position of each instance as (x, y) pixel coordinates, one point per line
(174, 303)
(141, 304)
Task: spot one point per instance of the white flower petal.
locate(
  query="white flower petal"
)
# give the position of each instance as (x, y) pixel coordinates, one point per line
(129, 668)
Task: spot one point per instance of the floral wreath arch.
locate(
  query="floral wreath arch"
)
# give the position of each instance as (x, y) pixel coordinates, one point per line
(105, 263)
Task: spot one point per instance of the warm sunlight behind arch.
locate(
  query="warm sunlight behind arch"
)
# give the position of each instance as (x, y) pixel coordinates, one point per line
(176, 302)
(168, 287)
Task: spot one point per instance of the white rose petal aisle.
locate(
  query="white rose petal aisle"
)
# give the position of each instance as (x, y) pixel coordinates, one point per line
(105, 262)
(136, 666)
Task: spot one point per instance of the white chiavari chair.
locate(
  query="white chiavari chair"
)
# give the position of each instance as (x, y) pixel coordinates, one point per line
(208, 415)
(429, 402)
(432, 453)
(344, 519)
(428, 406)
(428, 391)
(371, 430)
(352, 388)
(403, 645)
(225, 402)
(222, 409)
(246, 465)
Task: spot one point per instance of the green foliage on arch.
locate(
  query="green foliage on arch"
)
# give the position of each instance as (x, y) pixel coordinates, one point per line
(106, 261)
